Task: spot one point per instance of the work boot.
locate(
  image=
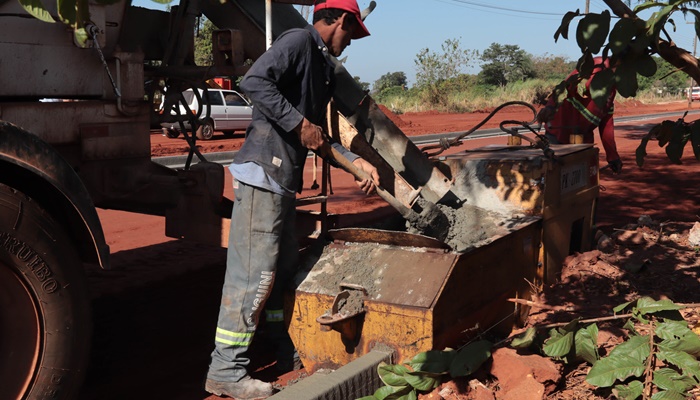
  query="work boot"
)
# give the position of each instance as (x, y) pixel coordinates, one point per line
(245, 389)
(289, 364)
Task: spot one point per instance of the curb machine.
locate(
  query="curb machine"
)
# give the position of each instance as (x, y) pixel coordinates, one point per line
(75, 119)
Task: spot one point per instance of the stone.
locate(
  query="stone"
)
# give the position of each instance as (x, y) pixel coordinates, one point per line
(517, 372)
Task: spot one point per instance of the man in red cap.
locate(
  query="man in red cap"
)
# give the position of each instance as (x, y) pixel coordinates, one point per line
(290, 86)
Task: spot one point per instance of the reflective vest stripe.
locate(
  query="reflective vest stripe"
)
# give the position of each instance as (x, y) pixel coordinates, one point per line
(584, 111)
(240, 338)
(274, 315)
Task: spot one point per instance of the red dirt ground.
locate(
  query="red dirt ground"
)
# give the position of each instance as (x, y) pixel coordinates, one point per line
(156, 311)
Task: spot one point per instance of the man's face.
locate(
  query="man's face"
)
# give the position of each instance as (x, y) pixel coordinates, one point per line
(344, 29)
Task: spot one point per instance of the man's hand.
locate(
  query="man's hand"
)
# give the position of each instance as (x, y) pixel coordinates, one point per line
(367, 185)
(616, 166)
(311, 136)
(546, 114)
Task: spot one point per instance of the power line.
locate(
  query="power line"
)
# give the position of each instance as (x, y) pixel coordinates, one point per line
(492, 7)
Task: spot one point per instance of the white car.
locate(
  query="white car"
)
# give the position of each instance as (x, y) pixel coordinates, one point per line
(229, 111)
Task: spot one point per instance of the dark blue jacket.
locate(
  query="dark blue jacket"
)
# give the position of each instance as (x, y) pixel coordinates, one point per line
(291, 80)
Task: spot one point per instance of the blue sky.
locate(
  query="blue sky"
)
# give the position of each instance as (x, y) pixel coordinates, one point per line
(401, 28)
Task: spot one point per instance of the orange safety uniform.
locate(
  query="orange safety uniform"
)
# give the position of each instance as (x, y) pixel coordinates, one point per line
(579, 114)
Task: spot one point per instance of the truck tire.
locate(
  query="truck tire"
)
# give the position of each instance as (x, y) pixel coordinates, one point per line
(45, 322)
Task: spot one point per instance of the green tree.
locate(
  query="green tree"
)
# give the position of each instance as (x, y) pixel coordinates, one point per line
(433, 69)
(552, 67)
(389, 80)
(363, 85)
(505, 64)
(667, 78)
(202, 42)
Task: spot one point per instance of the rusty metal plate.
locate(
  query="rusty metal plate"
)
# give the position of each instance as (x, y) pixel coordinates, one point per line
(394, 238)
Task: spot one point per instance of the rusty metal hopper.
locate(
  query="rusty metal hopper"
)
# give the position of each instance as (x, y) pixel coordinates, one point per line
(417, 298)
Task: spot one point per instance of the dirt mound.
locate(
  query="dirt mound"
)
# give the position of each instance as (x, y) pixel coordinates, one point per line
(646, 258)
(400, 123)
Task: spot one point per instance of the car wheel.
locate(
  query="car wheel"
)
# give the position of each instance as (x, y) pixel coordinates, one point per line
(205, 131)
(45, 325)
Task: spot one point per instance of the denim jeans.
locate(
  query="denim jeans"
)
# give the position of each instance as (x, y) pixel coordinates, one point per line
(261, 260)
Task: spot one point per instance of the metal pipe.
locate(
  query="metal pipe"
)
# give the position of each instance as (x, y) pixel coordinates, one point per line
(268, 24)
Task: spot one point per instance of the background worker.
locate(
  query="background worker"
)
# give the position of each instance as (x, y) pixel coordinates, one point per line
(578, 115)
(290, 87)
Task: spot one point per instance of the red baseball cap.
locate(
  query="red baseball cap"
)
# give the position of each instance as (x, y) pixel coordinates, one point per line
(351, 7)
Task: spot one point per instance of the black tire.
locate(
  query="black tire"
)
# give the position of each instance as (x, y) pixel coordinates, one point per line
(171, 133)
(45, 325)
(206, 130)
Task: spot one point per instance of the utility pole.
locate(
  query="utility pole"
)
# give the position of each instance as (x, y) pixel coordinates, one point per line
(690, 89)
(588, 5)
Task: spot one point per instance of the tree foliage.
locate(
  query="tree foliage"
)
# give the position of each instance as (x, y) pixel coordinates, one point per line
(389, 80)
(432, 68)
(503, 64)
(203, 42)
(551, 67)
(363, 85)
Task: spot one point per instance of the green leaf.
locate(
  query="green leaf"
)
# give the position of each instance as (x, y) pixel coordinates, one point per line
(677, 336)
(625, 78)
(675, 147)
(647, 5)
(663, 132)
(586, 341)
(434, 361)
(525, 339)
(601, 87)
(621, 307)
(392, 375)
(367, 398)
(673, 330)
(668, 395)
(640, 153)
(67, 11)
(682, 360)
(629, 392)
(592, 31)
(621, 35)
(637, 347)
(658, 19)
(422, 381)
(563, 29)
(392, 393)
(37, 10)
(606, 371)
(647, 305)
(558, 345)
(470, 358)
(629, 325)
(695, 138)
(668, 379)
(645, 65)
(164, 1)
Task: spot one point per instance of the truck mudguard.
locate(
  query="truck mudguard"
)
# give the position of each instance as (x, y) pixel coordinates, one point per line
(37, 169)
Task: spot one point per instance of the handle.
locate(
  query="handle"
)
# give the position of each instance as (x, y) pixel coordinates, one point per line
(406, 212)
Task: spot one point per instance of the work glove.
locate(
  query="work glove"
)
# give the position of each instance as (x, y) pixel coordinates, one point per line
(616, 166)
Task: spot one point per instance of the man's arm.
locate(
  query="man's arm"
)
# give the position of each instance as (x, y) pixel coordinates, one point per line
(261, 83)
